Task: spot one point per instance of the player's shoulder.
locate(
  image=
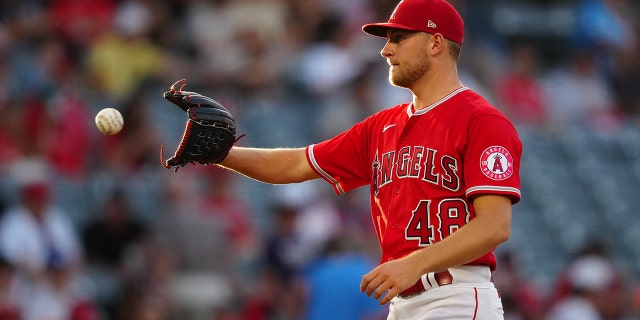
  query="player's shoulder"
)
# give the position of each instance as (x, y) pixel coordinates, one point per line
(474, 104)
(394, 110)
(480, 114)
(389, 113)
(477, 101)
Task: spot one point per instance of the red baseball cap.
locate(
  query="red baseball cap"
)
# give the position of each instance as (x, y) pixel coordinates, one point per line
(431, 16)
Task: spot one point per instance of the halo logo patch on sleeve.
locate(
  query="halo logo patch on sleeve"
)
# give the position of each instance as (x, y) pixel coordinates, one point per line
(496, 163)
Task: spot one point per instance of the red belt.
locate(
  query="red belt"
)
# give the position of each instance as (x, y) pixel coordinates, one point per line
(442, 279)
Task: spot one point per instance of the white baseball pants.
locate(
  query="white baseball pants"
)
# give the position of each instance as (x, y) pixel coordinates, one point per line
(471, 295)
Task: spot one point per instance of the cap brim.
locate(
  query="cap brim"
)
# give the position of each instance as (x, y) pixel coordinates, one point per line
(381, 29)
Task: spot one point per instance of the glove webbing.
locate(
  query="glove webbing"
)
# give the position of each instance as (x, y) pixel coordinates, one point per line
(184, 141)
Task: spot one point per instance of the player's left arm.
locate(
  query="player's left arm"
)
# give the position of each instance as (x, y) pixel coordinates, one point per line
(490, 227)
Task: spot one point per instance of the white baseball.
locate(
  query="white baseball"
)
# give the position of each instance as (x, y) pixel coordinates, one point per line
(109, 121)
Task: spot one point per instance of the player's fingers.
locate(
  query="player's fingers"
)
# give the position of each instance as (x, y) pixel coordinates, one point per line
(369, 283)
(390, 295)
(365, 281)
(381, 290)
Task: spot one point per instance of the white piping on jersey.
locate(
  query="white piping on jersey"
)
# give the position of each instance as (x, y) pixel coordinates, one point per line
(435, 104)
(493, 188)
(324, 174)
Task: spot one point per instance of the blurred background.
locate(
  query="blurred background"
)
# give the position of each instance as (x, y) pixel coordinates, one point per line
(93, 227)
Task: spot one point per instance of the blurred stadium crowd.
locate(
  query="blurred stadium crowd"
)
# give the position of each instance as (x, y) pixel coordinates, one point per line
(93, 227)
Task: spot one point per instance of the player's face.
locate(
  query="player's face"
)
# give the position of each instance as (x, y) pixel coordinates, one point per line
(405, 53)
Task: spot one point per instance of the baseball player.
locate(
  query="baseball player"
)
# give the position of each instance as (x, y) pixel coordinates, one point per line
(443, 172)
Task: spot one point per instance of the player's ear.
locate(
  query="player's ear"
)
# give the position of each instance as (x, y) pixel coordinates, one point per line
(437, 43)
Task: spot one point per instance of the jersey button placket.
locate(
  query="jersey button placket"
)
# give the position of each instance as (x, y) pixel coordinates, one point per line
(398, 188)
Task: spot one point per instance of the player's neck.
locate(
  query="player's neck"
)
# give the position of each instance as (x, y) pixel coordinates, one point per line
(434, 87)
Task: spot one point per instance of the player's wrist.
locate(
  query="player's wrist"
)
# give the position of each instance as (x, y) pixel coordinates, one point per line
(419, 261)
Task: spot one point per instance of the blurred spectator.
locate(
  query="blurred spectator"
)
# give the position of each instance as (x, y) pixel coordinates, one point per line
(78, 22)
(355, 216)
(318, 222)
(285, 254)
(203, 266)
(355, 12)
(222, 203)
(85, 310)
(317, 218)
(211, 27)
(333, 281)
(107, 240)
(606, 27)
(257, 73)
(146, 294)
(578, 93)
(58, 295)
(35, 232)
(588, 278)
(519, 92)
(591, 281)
(329, 62)
(43, 245)
(121, 60)
(25, 20)
(341, 109)
(269, 297)
(68, 137)
(303, 18)
(231, 36)
(50, 118)
(197, 241)
(521, 298)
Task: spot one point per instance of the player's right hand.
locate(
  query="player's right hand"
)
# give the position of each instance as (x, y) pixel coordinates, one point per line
(389, 279)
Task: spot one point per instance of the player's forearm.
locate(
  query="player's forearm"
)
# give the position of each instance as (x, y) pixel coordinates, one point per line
(481, 235)
(276, 166)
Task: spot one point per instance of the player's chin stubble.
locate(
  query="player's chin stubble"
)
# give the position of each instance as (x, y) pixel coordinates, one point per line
(407, 75)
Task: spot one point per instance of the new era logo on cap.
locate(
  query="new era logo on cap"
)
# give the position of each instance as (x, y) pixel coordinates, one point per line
(432, 16)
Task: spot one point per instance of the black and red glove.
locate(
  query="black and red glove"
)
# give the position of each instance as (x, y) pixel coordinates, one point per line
(210, 130)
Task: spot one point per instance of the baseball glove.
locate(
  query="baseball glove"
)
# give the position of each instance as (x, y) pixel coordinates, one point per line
(210, 130)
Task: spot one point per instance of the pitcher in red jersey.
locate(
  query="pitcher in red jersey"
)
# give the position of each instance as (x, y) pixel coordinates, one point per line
(443, 172)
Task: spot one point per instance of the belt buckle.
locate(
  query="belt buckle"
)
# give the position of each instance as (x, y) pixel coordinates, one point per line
(443, 278)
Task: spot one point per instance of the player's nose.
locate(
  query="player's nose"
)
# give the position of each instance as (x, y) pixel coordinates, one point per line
(386, 51)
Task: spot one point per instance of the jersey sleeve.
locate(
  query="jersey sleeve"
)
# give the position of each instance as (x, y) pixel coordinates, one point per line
(341, 161)
(492, 160)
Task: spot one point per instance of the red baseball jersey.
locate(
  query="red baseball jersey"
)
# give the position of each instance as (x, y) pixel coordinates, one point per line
(423, 167)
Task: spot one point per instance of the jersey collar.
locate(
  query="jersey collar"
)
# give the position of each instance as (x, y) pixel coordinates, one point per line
(410, 111)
